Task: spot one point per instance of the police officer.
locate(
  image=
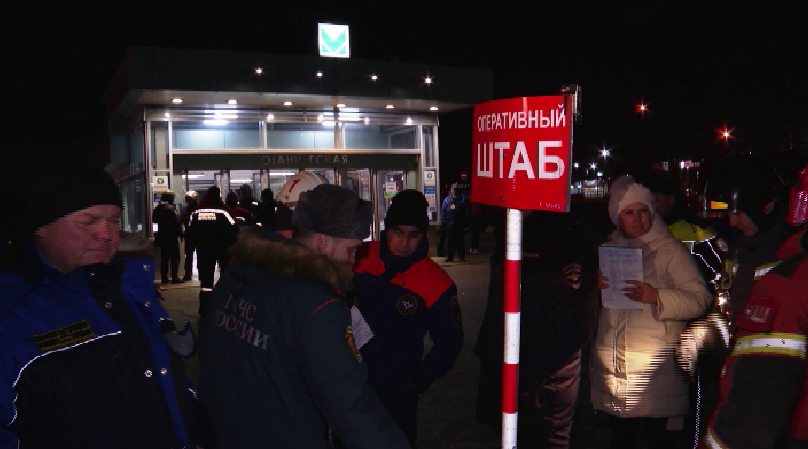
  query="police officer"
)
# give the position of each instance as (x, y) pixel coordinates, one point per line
(212, 230)
(764, 400)
(278, 357)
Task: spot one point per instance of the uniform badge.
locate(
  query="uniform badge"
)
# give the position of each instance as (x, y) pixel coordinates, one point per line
(351, 344)
(70, 335)
(758, 314)
(454, 309)
(572, 275)
(406, 305)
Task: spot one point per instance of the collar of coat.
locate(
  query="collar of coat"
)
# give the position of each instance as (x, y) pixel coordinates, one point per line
(273, 253)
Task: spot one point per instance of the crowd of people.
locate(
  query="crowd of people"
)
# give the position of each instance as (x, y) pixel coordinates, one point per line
(314, 338)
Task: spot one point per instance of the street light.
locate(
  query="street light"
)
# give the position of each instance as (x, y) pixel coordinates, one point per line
(642, 108)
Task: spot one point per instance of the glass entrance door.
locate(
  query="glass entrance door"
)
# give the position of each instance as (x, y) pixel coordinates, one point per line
(389, 183)
(358, 180)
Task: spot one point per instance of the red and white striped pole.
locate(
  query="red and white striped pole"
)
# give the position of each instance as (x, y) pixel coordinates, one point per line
(510, 361)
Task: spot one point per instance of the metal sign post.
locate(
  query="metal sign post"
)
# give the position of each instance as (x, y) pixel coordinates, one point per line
(522, 151)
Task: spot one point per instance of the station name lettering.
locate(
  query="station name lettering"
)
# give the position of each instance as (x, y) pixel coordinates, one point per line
(554, 118)
(493, 159)
(297, 160)
(236, 317)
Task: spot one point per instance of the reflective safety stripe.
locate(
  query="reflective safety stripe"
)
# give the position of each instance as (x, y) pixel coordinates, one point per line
(216, 211)
(713, 442)
(792, 345)
(763, 269)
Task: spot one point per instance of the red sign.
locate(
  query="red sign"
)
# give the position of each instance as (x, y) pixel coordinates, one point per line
(522, 153)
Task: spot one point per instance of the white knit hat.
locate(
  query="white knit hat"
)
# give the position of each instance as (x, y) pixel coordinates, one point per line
(624, 192)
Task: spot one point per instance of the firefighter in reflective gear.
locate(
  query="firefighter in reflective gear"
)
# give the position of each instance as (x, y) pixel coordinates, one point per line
(764, 389)
(288, 195)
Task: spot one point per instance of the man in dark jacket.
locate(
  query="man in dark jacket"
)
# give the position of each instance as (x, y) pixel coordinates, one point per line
(278, 357)
(191, 204)
(169, 230)
(454, 215)
(90, 358)
(402, 294)
(559, 313)
(212, 230)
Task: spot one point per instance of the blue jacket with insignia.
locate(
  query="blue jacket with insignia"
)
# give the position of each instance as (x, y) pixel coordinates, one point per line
(85, 358)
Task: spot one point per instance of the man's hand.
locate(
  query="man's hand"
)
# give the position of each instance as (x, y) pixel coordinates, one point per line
(640, 292)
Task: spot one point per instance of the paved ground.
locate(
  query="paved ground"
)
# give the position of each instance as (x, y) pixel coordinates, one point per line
(446, 414)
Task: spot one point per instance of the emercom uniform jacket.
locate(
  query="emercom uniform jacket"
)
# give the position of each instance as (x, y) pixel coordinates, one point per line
(277, 355)
(403, 298)
(85, 359)
(764, 391)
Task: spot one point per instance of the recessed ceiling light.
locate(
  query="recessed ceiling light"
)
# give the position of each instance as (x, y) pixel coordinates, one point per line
(270, 117)
(367, 120)
(287, 103)
(389, 106)
(167, 115)
(340, 105)
(409, 121)
(319, 74)
(177, 100)
(232, 101)
(433, 108)
(428, 79)
(259, 70)
(373, 77)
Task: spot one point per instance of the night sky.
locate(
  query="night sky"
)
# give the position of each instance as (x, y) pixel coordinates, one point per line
(740, 64)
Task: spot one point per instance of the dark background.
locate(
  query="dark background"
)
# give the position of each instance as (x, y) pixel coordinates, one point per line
(699, 67)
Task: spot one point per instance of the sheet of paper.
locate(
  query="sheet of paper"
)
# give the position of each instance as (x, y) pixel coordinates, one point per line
(361, 329)
(619, 264)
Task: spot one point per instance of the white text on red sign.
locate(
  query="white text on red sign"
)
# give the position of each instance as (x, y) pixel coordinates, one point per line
(490, 167)
(554, 118)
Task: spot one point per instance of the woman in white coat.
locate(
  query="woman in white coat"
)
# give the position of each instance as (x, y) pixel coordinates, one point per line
(633, 375)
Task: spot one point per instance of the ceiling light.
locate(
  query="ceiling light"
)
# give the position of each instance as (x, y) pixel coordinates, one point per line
(389, 106)
(433, 108)
(428, 80)
(259, 70)
(192, 176)
(167, 115)
(320, 117)
(409, 121)
(319, 74)
(284, 173)
(328, 123)
(270, 117)
(240, 180)
(367, 120)
(287, 103)
(232, 101)
(177, 100)
(340, 105)
(373, 77)
(214, 122)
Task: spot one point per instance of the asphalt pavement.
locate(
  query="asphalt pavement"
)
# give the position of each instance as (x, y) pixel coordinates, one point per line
(446, 411)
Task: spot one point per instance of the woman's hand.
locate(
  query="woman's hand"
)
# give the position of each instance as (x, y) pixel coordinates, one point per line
(602, 281)
(640, 292)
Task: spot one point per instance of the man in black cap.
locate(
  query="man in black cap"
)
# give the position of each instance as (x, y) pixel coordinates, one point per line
(402, 294)
(90, 358)
(278, 357)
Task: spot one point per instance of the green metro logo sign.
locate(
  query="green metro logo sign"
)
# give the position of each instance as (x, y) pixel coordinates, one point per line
(333, 40)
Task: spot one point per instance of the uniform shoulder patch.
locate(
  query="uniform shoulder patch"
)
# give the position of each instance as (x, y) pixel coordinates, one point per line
(572, 275)
(349, 340)
(758, 314)
(70, 335)
(406, 305)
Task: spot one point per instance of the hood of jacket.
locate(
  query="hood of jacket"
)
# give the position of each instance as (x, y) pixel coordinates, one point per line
(275, 254)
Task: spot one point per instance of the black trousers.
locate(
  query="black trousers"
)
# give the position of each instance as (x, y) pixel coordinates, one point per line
(189, 261)
(169, 254)
(625, 432)
(546, 409)
(401, 402)
(456, 243)
(206, 260)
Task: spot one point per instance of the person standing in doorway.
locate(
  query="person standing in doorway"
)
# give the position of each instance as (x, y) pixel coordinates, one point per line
(169, 230)
(191, 204)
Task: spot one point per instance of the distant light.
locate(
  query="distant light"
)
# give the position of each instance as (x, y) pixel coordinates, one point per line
(373, 77)
(177, 100)
(428, 79)
(409, 121)
(232, 101)
(320, 117)
(259, 70)
(319, 74)
(241, 180)
(600, 173)
(328, 123)
(593, 166)
(283, 173)
(192, 176)
(287, 103)
(214, 122)
(167, 115)
(433, 108)
(340, 105)
(367, 120)
(575, 164)
(725, 134)
(604, 152)
(389, 106)
(270, 117)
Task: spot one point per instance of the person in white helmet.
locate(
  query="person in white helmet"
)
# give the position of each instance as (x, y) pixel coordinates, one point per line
(288, 196)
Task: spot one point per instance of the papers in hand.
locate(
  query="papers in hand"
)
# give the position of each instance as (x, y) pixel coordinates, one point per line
(361, 330)
(619, 264)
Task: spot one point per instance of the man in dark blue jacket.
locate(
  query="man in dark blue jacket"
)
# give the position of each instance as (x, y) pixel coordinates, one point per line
(90, 358)
(279, 363)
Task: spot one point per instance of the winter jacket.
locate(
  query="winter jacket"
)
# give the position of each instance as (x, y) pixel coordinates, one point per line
(211, 230)
(633, 372)
(90, 359)
(277, 355)
(454, 211)
(403, 298)
(168, 224)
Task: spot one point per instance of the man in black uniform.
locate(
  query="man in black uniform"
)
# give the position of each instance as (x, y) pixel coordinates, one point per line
(559, 312)
(168, 231)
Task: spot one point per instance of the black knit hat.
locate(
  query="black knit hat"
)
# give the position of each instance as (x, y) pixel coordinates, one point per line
(408, 208)
(65, 187)
(333, 210)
